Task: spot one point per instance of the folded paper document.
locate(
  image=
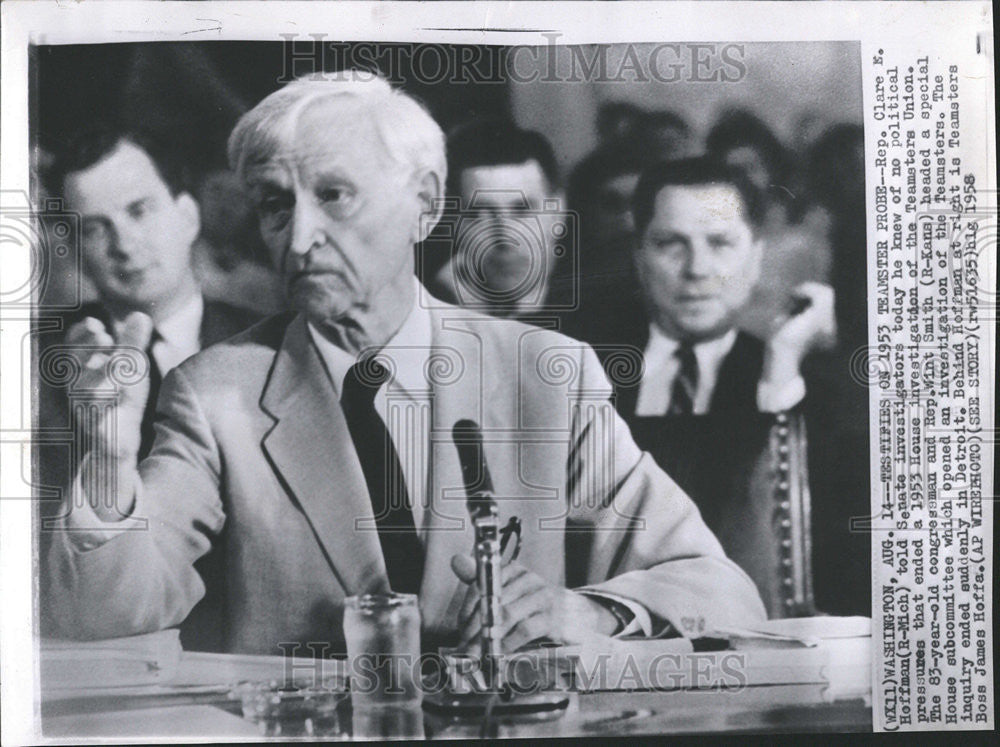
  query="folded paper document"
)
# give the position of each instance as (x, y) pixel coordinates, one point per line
(118, 662)
(833, 653)
(804, 631)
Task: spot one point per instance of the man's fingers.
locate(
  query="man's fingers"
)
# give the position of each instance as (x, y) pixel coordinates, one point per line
(521, 585)
(510, 574)
(136, 330)
(89, 331)
(469, 632)
(464, 567)
(525, 631)
(470, 605)
(96, 361)
(530, 604)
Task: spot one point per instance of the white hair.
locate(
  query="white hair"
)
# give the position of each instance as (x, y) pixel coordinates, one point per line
(410, 135)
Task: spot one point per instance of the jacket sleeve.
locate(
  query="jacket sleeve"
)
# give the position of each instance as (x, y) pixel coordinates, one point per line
(647, 540)
(143, 579)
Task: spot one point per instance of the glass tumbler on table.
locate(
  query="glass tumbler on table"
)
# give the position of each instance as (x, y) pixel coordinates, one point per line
(382, 632)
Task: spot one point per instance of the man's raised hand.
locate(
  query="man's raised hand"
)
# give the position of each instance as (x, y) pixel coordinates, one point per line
(112, 432)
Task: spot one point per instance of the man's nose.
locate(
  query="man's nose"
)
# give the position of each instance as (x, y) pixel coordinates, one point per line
(700, 261)
(123, 240)
(307, 226)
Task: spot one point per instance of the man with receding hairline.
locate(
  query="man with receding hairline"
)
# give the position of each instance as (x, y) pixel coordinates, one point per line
(316, 449)
(713, 398)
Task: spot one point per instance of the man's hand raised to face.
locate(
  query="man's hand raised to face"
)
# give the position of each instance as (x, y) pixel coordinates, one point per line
(795, 335)
(532, 608)
(114, 436)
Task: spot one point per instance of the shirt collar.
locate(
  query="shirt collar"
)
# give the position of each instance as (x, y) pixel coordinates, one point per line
(708, 353)
(182, 329)
(408, 352)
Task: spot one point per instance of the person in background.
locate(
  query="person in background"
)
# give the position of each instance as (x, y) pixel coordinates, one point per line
(663, 135)
(138, 224)
(660, 134)
(796, 251)
(836, 178)
(314, 450)
(617, 121)
(230, 261)
(742, 140)
(600, 195)
(715, 404)
(503, 238)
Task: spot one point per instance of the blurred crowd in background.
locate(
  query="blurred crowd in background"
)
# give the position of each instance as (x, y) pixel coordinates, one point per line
(190, 95)
(536, 234)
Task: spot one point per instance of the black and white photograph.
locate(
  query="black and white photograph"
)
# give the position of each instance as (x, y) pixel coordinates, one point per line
(511, 386)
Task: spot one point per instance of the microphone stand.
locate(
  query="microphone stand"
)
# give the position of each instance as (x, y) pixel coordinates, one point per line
(484, 515)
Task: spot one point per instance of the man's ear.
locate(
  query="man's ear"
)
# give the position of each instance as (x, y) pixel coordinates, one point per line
(191, 214)
(430, 194)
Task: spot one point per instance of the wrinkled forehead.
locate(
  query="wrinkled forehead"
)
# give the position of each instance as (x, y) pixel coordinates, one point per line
(317, 134)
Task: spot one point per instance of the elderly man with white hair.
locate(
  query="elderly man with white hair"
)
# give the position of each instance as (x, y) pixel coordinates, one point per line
(312, 456)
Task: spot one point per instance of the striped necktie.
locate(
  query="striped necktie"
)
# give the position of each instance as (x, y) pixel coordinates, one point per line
(685, 383)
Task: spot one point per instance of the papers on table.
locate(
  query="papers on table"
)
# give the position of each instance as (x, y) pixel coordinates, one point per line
(833, 653)
(149, 659)
(805, 631)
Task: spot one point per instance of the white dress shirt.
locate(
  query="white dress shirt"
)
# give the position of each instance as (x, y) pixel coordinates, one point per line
(662, 367)
(178, 336)
(406, 356)
(402, 402)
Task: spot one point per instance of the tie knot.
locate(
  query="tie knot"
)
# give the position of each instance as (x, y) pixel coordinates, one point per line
(366, 375)
(154, 337)
(685, 354)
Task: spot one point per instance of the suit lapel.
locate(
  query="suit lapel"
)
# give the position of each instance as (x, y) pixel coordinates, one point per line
(739, 374)
(311, 450)
(457, 394)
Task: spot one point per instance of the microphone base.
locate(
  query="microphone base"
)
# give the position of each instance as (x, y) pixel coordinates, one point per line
(540, 706)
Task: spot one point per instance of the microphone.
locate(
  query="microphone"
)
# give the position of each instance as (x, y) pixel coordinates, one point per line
(482, 508)
(468, 438)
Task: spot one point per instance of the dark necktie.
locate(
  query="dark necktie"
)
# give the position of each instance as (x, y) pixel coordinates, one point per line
(686, 382)
(397, 534)
(148, 413)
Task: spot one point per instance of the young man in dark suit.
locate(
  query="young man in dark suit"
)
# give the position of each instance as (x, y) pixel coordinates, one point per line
(503, 248)
(722, 411)
(138, 223)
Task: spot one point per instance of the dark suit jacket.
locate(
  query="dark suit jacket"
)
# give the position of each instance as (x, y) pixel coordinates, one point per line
(723, 461)
(55, 451)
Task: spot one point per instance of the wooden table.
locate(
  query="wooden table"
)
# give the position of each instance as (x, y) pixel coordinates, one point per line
(202, 708)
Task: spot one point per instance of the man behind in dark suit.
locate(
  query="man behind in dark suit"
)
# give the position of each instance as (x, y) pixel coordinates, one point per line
(722, 411)
(138, 224)
(502, 246)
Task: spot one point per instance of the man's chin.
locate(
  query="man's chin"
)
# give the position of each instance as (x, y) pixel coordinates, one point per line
(703, 328)
(320, 308)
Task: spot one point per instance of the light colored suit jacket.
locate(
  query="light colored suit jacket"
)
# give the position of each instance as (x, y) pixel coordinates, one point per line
(253, 458)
